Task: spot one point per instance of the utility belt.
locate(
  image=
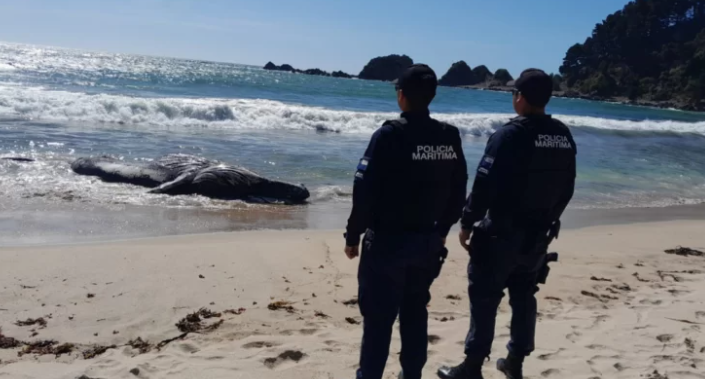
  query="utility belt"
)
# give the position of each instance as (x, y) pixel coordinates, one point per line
(404, 229)
(439, 257)
(532, 245)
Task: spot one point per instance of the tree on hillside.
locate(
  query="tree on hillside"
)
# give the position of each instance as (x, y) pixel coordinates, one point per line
(386, 68)
(502, 76)
(557, 81)
(482, 74)
(459, 74)
(651, 49)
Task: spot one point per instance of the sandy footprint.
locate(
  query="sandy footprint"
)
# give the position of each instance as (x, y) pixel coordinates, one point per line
(308, 332)
(573, 337)
(288, 356)
(551, 372)
(188, 348)
(599, 319)
(596, 347)
(260, 345)
(549, 356)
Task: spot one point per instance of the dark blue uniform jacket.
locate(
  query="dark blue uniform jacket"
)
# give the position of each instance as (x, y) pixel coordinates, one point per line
(526, 178)
(412, 179)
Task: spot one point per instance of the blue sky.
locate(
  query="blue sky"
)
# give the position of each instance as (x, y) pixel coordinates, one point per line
(328, 34)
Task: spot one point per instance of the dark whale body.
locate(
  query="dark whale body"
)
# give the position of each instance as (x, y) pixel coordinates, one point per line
(180, 174)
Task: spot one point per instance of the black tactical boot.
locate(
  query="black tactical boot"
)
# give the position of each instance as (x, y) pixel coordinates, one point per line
(511, 367)
(471, 368)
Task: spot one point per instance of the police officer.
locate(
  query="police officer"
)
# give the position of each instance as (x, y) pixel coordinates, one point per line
(409, 190)
(523, 184)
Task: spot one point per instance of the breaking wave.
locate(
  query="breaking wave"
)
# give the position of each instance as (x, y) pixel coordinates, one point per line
(39, 104)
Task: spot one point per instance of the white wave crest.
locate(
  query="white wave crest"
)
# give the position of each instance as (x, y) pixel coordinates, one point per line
(331, 193)
(34, 103)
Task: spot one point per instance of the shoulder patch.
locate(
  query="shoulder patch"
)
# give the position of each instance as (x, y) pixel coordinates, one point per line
(485, 164)
(362, 166)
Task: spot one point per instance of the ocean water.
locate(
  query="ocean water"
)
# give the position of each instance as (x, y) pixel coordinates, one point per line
(58, 104)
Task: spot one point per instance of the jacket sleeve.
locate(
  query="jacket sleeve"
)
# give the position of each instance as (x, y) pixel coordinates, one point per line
(494, 169)
(367, 184)
(459, 184)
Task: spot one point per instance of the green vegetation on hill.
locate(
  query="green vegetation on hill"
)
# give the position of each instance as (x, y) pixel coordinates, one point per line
(650, 50)
(502, 76)
(459, 74)
(482, 74)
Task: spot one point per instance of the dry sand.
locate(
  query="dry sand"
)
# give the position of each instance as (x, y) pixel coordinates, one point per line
(644, 320)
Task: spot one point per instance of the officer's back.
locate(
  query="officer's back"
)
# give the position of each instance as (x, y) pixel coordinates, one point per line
(409, 190)
(532, 192)
(424, 155)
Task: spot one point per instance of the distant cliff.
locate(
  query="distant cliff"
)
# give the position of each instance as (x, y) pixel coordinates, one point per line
(312, 71)
(387, 68)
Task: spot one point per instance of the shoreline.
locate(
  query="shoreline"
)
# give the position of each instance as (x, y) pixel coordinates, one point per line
(613, 288)
(666, 105)
(80, 224)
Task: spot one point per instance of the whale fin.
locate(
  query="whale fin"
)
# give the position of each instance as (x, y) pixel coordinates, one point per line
(178, 186)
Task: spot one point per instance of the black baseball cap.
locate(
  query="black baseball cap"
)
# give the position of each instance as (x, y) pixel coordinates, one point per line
(418, 80)
(535, 86)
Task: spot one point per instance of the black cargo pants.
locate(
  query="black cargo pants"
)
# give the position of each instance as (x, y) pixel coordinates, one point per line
(395, 277)
(498, 263)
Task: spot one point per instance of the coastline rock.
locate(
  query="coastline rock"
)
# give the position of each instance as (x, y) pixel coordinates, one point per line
(502, 77)
(482, 74)
(459, 74)
(316, 72)
(312, 71)
(340, 74)
(386, 68)
(272, 67)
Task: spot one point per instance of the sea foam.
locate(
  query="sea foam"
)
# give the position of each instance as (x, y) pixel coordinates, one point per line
(39, 104)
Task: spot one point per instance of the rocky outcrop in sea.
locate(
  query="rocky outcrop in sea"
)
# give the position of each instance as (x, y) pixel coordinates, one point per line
(387, 68)
(312, 71)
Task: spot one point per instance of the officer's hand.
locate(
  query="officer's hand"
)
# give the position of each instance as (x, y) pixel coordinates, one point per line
(352, 251)
(465, 238)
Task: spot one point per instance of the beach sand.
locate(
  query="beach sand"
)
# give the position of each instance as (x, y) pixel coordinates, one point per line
(615, 306)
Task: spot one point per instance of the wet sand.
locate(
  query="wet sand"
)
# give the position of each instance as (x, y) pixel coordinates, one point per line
(41, 222)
